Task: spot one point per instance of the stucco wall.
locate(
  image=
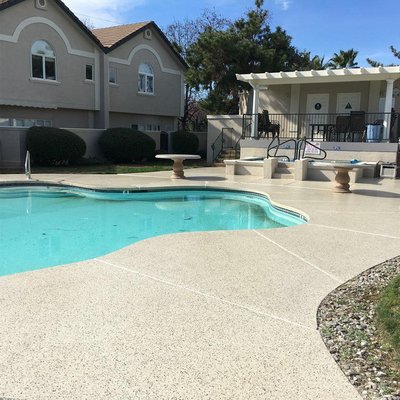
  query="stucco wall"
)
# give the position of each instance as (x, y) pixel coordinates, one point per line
(215, 125)
(12, 147)
(119, 119)
(17, 86)
(59, 117)
(277, 98)
(124, 95)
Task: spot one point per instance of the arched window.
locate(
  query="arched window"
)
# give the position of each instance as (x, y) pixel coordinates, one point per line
(43, 61)
(146, 79)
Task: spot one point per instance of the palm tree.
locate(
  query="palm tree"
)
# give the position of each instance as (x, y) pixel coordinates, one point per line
(345, 59)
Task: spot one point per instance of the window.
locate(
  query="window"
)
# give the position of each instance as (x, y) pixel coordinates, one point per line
(146, 79)
(5, 122)
(112, 75)
(26, 123)
(89, 72)
(147, 127)
(43, 61)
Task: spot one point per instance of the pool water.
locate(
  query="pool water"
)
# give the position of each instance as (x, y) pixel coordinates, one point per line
(47, 226)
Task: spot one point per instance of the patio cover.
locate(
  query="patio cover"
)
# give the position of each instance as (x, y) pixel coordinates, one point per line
(263, 80)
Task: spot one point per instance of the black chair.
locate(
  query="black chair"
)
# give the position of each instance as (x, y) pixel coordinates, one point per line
(266, 126)
(341, 129)
(357, 129)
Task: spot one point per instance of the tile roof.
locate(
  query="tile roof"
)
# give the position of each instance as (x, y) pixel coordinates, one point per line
(114, 34)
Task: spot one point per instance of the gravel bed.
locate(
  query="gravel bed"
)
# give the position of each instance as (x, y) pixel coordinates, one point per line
(348, 326)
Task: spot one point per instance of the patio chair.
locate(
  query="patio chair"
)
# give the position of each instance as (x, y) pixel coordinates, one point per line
(357, 128)
(341, 129)
(266, 126)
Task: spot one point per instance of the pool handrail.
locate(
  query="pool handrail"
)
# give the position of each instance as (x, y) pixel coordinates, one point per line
(301, 143)
(28, 165)
(277, 146)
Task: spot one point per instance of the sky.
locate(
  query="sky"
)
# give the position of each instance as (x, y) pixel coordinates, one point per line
(322, 27)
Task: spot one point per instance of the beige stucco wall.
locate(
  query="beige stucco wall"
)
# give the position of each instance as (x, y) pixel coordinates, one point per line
(124, 96)
(16, 85)
(12, 147)
(59, 117)
(277, 98)
(215, 125)
(119, 119)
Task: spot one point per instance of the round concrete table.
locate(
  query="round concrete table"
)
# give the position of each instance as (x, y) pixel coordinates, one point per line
(178, 163)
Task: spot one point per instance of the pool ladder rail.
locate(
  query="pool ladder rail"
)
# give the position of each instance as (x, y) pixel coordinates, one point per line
(28, 165)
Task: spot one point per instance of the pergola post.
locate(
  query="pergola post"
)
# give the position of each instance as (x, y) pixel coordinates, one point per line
(388, 109)
(254, 117)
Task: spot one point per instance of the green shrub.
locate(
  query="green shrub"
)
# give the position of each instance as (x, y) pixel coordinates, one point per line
(184, 142)
(126, 145)
(53, 146)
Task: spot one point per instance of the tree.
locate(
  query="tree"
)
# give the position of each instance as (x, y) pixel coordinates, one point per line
(374, 63)
(305, 62)
(345, 59)
(182, 36)
(246, 46)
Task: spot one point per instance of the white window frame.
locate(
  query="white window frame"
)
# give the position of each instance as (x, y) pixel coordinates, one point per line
(115, 75)
(44, 58)
(147, 78)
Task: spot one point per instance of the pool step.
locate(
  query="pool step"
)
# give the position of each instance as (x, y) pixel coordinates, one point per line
(226, 154)
(285, 164)
(278, 175)
(285, 170)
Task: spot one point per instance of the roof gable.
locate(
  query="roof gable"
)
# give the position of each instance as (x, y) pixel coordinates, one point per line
(115, 36)
(9, 3)
(108, 38)
(111, 36)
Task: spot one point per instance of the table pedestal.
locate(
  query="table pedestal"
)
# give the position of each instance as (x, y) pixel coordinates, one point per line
(342, 180)
(177, 169)
(178, 159)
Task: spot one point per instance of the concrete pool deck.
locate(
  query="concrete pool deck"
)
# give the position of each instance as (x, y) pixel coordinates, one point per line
(223, 315)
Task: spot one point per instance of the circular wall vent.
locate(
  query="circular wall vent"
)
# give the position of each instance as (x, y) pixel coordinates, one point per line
(42, 4)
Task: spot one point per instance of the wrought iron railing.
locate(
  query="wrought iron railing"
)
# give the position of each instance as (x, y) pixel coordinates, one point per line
(225, 140)
(324, 127)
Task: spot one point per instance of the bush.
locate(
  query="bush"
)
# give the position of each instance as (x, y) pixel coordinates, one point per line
(126, 145)
(53, 146)
(184, 142)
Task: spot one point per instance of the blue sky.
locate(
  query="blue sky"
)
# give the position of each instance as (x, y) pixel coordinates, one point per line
(320, 26)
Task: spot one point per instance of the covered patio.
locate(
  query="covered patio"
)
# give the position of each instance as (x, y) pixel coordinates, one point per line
(329, 105)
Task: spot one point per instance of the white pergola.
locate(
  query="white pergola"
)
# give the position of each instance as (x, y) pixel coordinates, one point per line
(261, 81)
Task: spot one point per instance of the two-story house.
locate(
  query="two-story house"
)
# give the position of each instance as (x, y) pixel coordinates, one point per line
(54, 71)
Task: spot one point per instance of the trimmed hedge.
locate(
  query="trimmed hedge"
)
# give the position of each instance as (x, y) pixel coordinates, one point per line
(184, 142)
(54, 146)
(126, 145)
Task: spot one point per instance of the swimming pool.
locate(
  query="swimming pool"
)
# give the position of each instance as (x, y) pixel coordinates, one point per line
(42, 226)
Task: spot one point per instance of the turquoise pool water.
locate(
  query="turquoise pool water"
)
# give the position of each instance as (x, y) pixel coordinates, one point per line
(47, 226)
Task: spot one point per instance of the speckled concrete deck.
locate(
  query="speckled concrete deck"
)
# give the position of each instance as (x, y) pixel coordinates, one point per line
(223, 315)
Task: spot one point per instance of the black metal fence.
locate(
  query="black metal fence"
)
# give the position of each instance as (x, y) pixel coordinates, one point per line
(357, 126)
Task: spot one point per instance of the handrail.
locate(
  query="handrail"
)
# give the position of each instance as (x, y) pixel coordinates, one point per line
(237, 145)
(244, 126)
(304, 141)
(220, 138)
(299, 145)
(28, 165)
(278, 146)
